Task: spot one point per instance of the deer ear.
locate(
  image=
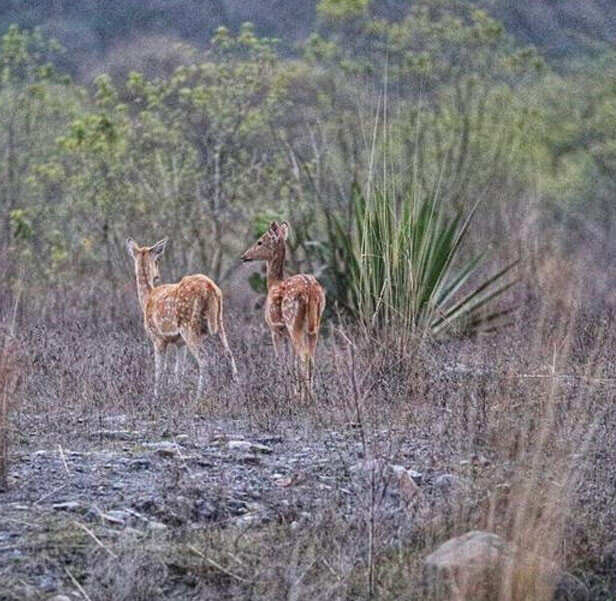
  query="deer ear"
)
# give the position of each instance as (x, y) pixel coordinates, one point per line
(159, 248)
(132, 247)
(284, 229)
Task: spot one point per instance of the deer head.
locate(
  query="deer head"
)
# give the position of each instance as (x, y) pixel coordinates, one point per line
(269, 245)
(146, 259)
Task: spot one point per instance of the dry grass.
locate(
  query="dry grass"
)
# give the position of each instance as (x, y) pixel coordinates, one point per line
(10, 371)
(523, 420)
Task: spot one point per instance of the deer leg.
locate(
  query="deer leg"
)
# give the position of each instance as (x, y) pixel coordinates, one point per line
(297, 366)
(180, 362)
(160, 356)
(312, 345)
(194, 342)
(225, 344)
(201, 378)
(276, 341)
(307, 377)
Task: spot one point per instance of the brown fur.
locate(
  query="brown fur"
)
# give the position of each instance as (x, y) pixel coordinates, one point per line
(294, 305)
(182, 313)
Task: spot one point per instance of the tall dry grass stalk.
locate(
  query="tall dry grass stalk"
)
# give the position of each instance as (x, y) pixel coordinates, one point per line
(9, 378)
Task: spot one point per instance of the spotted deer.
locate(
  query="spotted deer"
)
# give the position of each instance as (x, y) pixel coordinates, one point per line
(294, 305)
(179, 314)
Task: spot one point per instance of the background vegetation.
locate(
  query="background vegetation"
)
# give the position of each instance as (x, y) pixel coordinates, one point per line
(212, 136)
(428, 154)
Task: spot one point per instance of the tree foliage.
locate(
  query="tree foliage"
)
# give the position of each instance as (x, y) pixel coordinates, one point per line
(437, 97)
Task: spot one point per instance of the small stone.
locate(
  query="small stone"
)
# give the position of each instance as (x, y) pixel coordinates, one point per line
(446, 481)
(116, 516)
(163, 444)
(163, 448)
(139, 464)
(239, 445)
(245, 445)
(114, 434)
(67, 506)
(261, 448)
(417, 476)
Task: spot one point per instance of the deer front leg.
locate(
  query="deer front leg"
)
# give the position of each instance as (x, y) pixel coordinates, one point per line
(160, 358)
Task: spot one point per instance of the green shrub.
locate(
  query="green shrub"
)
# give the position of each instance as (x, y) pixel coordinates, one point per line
(398, 263)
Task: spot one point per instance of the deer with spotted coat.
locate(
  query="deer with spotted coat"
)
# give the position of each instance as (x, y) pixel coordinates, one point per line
(294, 305)
(179, 314)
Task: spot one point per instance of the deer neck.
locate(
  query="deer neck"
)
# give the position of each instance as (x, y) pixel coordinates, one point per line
(144, 288)
(274, 267)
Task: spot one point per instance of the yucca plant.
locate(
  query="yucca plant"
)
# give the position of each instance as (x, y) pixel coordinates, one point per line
(398, 262)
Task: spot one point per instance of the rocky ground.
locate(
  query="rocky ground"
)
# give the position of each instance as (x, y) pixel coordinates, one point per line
(249, 494)
(64, 502)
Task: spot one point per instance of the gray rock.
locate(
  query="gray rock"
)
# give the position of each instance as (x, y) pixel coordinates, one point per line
(139, 464)
(59, 598)
(447, 481)
(163, 444)
(115, 434)
(164, 448)
(67, 506)
(245, 445)
(417, 476)
(474, 566)
(116, 516)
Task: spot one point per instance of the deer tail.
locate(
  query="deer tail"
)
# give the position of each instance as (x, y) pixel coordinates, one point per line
(214, 311)
(314, 311)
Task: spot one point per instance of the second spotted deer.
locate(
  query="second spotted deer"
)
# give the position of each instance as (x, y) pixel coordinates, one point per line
(294, 305)
(182, 313)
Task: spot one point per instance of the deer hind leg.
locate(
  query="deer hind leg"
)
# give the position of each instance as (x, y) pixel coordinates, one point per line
(311, 344)
(180, 362)
(281, 350)
(195, 343)
(225, 344)
(302, 364)
(277, 342)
